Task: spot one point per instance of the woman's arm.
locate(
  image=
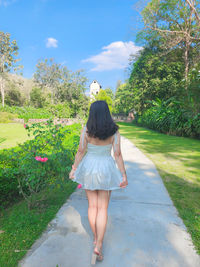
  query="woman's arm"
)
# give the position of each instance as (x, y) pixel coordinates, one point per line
(81, 149)
(119, 159)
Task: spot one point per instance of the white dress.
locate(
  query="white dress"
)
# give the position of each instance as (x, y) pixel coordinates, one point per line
(98, 169)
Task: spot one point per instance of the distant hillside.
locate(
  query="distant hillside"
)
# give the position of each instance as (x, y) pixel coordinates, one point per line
(23, 84)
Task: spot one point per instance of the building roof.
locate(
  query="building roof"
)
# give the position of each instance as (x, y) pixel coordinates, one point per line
(96, 82)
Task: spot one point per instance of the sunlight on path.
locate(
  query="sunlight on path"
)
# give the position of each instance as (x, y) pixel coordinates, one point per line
(143, 230)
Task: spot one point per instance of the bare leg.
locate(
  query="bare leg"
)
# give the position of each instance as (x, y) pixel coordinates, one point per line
(101, 220)
(92, 210)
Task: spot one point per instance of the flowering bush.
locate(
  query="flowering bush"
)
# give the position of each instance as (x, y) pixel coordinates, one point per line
(43, 161)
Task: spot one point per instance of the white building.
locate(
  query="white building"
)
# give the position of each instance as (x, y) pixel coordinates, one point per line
(94, 89)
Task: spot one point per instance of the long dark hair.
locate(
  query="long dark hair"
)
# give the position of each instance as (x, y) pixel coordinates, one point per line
(100, 123)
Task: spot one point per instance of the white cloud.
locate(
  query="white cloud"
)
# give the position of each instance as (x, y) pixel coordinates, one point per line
(114, 56)
(6, 2)
(51, 42)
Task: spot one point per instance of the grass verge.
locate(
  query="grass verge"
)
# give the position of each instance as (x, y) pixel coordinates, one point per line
(11, 134)
(21, 227)
(177, 159)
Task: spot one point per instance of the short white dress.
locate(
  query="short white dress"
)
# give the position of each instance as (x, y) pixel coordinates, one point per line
(98, 169)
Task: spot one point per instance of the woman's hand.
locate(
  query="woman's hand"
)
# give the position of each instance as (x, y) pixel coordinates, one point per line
(124, 182)
(71, 174)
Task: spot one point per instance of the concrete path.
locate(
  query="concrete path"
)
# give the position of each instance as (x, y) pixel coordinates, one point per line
(143, 229)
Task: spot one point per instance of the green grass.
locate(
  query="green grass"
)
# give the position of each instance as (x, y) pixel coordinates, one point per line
(11, 134)
(22, 227)
(176, 158)
(178, 161)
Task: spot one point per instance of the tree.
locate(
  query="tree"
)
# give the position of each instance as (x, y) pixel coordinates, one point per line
(123, 99)
(110, 93)
(79, 107)
(37, 98)
(8, 60)
(193, 5)
(176, 24)
(118, 84)
(72, 86)
(194, 87)
(154, 77)
(63, 84)
(13, 96)
(103, 96)
(48, 75)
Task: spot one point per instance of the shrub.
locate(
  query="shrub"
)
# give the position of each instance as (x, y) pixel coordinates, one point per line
(170, 117)
(24, 174)
(26, 113)
(6, 117)
(37, 98)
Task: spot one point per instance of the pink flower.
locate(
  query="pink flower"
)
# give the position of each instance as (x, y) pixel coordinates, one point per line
(79, 186)
(44, 159)
(53, 135)
(38, 158)
(24, 125)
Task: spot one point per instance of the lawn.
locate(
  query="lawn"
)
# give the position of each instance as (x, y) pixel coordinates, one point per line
(178, 161)
(22, 227)
(11, 134)
(19, 226)
(176, 158)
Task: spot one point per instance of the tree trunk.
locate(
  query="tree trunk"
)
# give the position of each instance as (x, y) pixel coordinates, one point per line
(52, 102)
(186, 59)
(2, 90)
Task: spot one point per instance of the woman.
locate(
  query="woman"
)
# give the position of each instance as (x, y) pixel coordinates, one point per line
(96, 171)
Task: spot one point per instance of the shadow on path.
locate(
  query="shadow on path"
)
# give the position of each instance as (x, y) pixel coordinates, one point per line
(143, 229)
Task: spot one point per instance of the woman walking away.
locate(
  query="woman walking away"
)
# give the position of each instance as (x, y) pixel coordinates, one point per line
(96, 170)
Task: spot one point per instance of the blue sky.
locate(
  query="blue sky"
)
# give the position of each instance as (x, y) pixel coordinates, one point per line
(97, 36)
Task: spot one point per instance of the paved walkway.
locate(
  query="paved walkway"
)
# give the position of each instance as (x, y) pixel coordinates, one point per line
(143, 229)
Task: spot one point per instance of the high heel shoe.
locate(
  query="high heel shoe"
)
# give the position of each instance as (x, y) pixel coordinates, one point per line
(96, 256)
(100, 255)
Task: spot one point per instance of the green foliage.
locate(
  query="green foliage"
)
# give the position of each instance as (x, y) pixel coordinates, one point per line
(110, 93)
(9, 53)
(175, 24)
(167, 69)
(37, 98)
(6, 117)
(59, 110)
(194, 89)
(52, 111)
(48, 75)
(13, 97)
(102, 95)
(170, 117)
(79, 106)
(62, 84)
(123, 99)
(21, 172)
(154, 77)
(27, 112)
(8, 59)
